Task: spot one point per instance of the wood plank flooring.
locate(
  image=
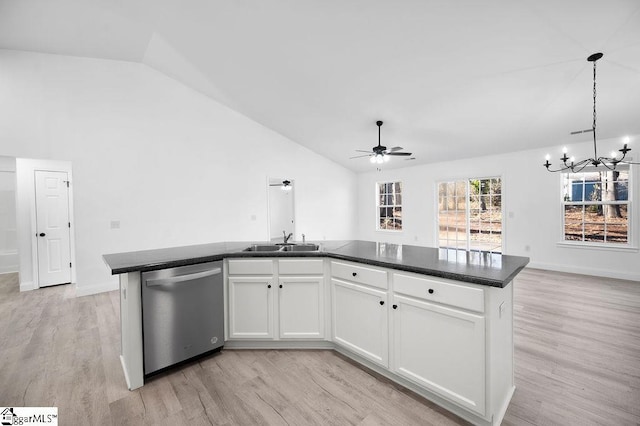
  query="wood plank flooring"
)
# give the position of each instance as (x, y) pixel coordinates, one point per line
(577, 356)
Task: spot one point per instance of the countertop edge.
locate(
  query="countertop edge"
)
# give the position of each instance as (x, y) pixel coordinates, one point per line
(390, 265)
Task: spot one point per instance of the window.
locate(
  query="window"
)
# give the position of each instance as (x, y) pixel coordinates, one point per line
(389, 206)
(596, 206)
(470, 214)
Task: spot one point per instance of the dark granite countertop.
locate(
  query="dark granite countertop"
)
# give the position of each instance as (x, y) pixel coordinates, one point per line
(483, 268)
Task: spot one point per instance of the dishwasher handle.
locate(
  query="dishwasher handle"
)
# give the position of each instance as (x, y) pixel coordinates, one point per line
(182, 278)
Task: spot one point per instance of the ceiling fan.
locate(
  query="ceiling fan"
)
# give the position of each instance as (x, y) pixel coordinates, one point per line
(380, 154)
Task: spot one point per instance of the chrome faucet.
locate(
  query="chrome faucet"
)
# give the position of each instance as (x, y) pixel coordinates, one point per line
(286, 237)
(304, 241)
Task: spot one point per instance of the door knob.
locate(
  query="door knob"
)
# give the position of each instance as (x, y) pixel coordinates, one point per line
(42, 234)
(382, 302)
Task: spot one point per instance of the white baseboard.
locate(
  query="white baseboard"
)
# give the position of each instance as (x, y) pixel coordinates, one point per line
(27, 286)
(9, 262)
(582, 270)
(88, 290)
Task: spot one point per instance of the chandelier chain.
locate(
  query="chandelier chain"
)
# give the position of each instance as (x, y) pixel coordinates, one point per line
(610, 163)
(594, 96)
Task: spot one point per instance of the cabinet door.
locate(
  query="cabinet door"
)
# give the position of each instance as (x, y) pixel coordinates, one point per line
(360, 320)
(301, 307)
(442, 349)
(251, 307)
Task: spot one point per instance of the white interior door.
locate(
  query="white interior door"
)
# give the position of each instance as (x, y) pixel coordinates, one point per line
(52, 228)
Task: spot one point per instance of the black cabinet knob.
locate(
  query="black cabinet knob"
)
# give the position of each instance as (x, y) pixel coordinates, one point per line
(394, 306)
(280, 285)
(354, 274)
(430, 291)
(42, 234)
(381, 302)
(269, 286)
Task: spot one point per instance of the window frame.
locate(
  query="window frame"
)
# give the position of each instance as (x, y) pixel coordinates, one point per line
(632, 239)
(467, 212)
(378, 205)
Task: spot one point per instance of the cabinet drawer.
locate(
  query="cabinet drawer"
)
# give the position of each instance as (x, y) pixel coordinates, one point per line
(250, 267)
(300, 266)
(438, 290)
(359, 274)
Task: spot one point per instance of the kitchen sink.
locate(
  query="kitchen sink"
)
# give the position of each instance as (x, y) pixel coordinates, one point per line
(263, 247)
(302, 247)
(282, 247)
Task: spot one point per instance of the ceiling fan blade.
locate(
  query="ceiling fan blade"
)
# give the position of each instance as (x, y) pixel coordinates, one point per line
(360, 150)
(395, 148)
(360, 156)
(398, 153)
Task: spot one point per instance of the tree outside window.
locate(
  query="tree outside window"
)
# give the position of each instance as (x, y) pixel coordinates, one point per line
(596, 206)
(389, 206)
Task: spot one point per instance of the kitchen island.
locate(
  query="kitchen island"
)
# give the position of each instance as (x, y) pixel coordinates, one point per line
(437, 321)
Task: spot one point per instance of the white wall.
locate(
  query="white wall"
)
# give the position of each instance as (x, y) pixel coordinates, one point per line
(173, 166)
(8, 239)
(531, 199)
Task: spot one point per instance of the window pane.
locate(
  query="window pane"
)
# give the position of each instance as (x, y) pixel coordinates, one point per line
(573, 219)
(617, 229)
(496, 201)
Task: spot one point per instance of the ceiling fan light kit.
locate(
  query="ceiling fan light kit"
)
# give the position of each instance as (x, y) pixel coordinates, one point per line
(570, 163)
(379, 154)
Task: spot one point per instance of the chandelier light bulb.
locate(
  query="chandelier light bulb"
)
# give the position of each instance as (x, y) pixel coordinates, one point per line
(386, 158)
(626, 140)
(564, 150)
(547, 157)
(572, 159)
(613, 154)
(379, 159)
(372, 159)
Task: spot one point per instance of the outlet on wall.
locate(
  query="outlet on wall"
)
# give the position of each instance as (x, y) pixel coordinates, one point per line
(115, 224)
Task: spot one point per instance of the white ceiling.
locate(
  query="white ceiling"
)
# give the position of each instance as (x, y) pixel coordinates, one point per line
(450, 79)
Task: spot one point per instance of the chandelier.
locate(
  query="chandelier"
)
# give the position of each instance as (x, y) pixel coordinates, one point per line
(570, 163)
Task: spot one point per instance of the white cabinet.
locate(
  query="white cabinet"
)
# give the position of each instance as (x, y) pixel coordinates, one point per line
(360, 320)
(251, 307)
(301, 307)
(263, 304)
(447, 340)
(441, 349)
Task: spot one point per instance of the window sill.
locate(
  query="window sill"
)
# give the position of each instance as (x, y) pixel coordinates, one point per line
(597, 246)
(392, 231)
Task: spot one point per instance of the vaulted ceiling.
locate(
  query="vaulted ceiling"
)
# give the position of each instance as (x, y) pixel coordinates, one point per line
(450, 79)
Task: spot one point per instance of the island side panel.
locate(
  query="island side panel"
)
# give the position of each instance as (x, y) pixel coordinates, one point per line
(500, 343)
(131, 329)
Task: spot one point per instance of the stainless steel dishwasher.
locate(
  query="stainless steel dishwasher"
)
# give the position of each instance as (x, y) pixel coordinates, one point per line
(182, 314)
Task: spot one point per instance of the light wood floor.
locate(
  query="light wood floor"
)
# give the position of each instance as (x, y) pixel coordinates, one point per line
(577, 362)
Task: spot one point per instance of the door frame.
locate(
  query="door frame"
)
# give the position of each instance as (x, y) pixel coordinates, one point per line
(26, 215)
